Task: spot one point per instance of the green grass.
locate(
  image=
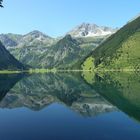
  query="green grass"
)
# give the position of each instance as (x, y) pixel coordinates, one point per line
(127, 56)
(88, 64)
(9, 72)
(42, 70)
(28, 71)
(86, 72)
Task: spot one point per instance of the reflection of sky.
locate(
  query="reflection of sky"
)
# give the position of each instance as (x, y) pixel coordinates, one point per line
(58, 122)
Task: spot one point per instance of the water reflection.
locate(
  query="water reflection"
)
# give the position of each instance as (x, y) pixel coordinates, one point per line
(40, 90)
(89, 95)
(7, 81)
(120, 89)
(70, 106)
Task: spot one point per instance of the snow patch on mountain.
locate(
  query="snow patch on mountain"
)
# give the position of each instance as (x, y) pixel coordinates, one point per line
(91, 30)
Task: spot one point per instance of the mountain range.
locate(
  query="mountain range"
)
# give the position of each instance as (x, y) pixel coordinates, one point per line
(33, 38)
(42, 51)
(95, 47)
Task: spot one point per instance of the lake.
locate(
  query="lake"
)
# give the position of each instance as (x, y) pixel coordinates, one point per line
(70, 106)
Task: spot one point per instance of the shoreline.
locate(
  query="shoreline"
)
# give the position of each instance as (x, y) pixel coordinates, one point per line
(60, 70)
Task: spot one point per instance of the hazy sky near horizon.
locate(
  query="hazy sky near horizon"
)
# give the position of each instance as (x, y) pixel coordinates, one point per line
(56, 17)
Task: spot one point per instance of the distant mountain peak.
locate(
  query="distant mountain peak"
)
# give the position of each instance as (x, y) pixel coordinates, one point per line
(34, 37)
(91, 30)
(36, 34)
(84, 24)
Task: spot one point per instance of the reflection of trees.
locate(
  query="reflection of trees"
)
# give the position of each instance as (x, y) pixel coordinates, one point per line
(121, 90)
(40, 90)
(7, 82)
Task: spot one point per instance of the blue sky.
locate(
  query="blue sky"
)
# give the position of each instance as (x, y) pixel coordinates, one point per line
(56, 17)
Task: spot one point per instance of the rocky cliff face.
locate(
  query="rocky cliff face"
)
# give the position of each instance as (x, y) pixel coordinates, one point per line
(91, 30)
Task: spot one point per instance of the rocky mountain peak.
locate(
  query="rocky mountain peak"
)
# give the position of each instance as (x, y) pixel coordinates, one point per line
(91, 30)
(36, 34)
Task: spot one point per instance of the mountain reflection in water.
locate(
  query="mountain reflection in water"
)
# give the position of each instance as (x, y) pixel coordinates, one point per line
(40, 90)
(70, 106)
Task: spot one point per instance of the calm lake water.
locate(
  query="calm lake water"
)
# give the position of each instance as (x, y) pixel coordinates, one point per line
(70, 106)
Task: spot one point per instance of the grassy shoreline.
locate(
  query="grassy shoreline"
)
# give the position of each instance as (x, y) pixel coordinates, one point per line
(60, 70)
(9, 72)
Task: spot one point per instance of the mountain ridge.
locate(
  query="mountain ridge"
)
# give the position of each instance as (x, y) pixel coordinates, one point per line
(91, 30)
(87, 29)
(119, 51)
(42, 51)
(7, 61)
